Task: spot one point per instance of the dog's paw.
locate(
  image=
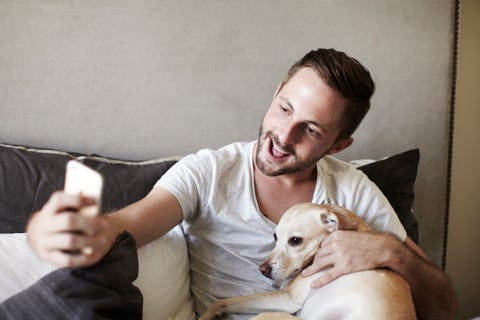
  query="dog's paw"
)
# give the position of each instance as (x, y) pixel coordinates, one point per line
(215, 311)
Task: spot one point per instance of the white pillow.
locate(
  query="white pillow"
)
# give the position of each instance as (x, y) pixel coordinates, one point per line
(164, 278)
(20, 267)
(164, 275)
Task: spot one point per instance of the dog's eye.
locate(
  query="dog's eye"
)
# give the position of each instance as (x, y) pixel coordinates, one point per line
(295, 241)
(275, 237)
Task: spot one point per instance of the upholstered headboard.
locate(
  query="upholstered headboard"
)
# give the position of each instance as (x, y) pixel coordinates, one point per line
(149, 79)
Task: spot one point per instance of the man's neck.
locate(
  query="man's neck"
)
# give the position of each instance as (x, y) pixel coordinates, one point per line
(278, 193)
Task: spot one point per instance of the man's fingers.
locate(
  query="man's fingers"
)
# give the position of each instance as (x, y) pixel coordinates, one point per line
(60, 201)
(65, 242)
(320, 262)
(328, 276)
(71, 239)
(77, 223)
(70, 249)
(62, 236)
(66, 259)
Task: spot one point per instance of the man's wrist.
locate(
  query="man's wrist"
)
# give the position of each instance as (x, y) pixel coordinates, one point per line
(395, 252)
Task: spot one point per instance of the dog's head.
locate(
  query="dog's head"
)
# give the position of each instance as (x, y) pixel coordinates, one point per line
(299, 233)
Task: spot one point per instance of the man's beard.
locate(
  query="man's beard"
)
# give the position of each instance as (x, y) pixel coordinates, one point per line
(288, 168)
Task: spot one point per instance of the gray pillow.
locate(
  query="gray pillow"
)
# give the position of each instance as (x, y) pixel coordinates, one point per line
(395, 176)
(28, 176)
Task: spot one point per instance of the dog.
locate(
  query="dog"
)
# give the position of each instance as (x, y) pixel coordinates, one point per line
(371, 294)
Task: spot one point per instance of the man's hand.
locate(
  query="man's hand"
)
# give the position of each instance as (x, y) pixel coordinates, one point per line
(59, 235)
(350, 251)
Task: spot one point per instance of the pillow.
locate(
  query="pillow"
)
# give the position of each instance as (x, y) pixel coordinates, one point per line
(395, 176)
(103, 291)
(28, 176)
(164, 278)
(20, 266)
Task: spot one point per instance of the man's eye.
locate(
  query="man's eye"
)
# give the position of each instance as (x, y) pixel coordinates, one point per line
(311, 130)
(295, 241)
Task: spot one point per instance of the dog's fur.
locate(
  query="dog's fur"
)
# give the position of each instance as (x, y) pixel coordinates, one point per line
(372, 294)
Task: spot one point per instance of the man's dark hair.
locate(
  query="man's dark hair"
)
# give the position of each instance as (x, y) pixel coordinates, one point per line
(345, 75)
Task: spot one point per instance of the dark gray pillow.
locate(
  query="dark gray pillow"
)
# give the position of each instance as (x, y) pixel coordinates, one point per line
(28, 176)
(395, 176)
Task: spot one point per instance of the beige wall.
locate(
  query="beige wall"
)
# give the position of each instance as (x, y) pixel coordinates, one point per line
(463, 256)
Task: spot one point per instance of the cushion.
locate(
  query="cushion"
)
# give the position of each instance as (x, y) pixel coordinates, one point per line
(30, 175)
(164, 278)
(395, 176)
(20, 267)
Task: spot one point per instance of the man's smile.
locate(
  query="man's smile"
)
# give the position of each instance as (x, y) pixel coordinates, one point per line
(277, 151)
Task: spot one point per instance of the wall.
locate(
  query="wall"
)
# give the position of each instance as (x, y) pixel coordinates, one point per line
(145, 79)
(463, 255)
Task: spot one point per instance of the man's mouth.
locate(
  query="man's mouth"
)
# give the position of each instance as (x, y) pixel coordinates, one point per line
(277, 151)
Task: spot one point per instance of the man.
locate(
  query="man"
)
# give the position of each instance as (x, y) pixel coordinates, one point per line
(230, 200)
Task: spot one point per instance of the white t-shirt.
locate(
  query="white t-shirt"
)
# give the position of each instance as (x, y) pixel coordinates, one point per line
(227, 235)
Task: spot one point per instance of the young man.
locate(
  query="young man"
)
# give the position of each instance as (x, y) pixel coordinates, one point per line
(230, 200)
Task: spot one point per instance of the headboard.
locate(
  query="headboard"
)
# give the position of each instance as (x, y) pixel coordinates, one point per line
(141, 80)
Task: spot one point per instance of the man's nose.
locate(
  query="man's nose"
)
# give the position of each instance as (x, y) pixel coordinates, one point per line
(287, 133)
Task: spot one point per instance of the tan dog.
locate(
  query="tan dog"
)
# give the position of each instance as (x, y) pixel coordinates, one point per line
(372, 294)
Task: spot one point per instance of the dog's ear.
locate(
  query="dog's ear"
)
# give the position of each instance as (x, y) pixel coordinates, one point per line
(347, 222)
(336, 221)
(329, 221)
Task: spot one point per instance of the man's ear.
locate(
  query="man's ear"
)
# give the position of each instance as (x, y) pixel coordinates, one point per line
(341, 145)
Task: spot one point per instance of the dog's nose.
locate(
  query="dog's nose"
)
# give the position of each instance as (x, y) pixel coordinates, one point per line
(266, 269)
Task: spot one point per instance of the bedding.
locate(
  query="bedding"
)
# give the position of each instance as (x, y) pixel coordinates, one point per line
(29, 175)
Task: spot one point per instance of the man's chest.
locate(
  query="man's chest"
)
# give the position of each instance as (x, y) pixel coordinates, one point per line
(274, 201)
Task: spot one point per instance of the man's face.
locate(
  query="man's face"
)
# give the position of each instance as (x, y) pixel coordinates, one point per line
(300, 126)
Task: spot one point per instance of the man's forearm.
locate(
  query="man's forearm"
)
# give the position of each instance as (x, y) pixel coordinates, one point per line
(431, 289)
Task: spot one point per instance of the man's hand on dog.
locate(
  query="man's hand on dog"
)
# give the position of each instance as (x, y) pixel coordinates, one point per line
(59, 235)
(349, 251)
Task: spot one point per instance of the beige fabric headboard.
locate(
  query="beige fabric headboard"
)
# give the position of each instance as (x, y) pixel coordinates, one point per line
(148, 79)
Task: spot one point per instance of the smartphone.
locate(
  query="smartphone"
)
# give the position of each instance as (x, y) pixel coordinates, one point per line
(81, 179)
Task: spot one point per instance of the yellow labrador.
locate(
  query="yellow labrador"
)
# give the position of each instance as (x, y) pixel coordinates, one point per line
(372, 294)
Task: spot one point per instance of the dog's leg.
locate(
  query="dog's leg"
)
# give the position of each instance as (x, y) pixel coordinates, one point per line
(253, 304)
(289, 299)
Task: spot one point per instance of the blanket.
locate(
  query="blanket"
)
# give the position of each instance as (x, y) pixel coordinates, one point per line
(103, 291)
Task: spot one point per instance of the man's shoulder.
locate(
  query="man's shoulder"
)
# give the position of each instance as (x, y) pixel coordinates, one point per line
(231, 151)
(225, 156)
(335, 164)
(338, 168)
(236, 148)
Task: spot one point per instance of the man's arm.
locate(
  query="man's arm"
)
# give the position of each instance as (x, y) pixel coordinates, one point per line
(57, 230)
(349, 251)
